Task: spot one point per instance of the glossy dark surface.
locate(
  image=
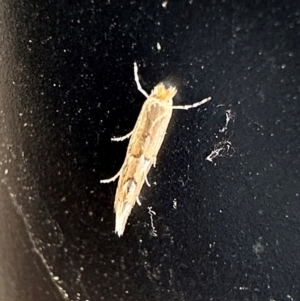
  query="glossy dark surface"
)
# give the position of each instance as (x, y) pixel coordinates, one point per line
(227, 229)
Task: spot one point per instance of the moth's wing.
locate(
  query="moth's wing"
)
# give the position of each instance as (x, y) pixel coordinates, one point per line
(159, 117)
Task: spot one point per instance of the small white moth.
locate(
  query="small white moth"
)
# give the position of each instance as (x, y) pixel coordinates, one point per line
(145, 141)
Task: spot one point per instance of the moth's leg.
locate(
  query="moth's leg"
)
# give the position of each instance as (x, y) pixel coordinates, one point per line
(194, 105)
(147, 182)
(136, 78)
(111, 179)
(121, 138)
(138, 201)
(154, 162)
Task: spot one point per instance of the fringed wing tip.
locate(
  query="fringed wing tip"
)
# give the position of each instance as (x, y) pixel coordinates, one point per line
(120, 227)
(122, 214)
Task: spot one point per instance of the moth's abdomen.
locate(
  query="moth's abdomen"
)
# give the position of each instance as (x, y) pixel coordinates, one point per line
(129, 187)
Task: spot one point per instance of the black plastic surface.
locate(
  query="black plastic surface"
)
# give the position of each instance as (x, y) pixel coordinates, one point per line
(227, 229)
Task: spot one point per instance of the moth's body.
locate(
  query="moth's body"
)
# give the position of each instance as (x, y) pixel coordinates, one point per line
(145, 141)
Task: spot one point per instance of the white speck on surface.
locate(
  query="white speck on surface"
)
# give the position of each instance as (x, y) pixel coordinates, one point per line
(243, 288)
(175, 204)
(158, 46)
(220, 150)
(258, 247)
(151, 213)
(224, 147)
(229, 116)
(164, 4)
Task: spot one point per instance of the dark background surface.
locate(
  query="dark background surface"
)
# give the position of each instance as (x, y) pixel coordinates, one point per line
(67, 86)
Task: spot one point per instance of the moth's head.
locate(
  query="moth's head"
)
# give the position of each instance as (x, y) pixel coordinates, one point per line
(163, 93)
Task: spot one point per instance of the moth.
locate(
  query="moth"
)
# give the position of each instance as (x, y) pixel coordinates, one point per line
(145, 141)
